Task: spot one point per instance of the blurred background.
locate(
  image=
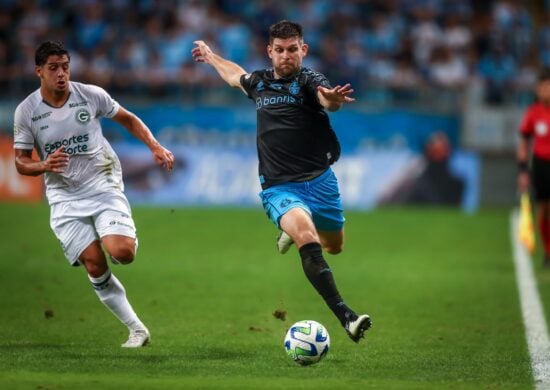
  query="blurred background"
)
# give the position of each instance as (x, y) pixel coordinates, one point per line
(441, 86)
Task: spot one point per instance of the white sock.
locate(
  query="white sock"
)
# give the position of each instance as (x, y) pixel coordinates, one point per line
(111, 292)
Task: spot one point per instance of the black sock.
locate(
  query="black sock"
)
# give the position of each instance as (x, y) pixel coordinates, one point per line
(320, 276)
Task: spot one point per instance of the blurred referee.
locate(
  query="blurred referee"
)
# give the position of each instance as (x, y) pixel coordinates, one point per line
(535, 144)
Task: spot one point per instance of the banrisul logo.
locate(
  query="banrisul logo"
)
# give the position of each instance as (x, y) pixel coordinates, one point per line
(83, 116)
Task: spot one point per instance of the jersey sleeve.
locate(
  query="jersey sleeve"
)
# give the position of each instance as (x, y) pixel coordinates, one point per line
(249, 81)
(22, 134)
(311, 81)
(314, 80)
(106, 106)
(526, 127)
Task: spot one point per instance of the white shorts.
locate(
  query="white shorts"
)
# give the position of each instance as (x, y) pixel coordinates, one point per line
(78, 223)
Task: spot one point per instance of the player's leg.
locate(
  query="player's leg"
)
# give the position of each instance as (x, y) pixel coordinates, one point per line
(114, 224)
(287, 209)
(289, 213)
(298, 224)
(323, 198)
(276, 202)
(112, 294)
(541, 185)
(332, 241)
(75, 230)
(121, 249)
(543, 218)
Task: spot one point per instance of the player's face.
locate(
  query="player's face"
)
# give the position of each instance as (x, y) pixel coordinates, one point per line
(286, 55)
(543, 91)
(54, 74)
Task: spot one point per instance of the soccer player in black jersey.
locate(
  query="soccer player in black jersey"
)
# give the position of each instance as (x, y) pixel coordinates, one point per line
(296, 147)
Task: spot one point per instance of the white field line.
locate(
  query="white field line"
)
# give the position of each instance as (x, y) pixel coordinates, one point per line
(536, 330)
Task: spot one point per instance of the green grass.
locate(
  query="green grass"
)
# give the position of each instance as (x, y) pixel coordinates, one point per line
(439, 285)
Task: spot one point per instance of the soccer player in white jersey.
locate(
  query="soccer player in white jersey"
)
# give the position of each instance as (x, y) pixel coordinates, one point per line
(89, 211)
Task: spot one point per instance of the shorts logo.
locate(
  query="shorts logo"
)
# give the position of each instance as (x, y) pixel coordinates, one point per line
(285, 202)
(294, 88)
(541, 128)
(121, 224)
(82, 116)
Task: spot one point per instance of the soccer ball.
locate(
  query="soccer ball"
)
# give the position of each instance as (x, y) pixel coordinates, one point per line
(307, 342)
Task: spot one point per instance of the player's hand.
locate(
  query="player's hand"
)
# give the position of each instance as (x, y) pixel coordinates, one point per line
(338, 94)
(164, 157)
(201, 52)
(524, 182)
(57, 161)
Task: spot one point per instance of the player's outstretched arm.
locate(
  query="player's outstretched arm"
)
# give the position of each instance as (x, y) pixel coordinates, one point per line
(229, 71)
(332, 99)
(26, 165)
(138, 129)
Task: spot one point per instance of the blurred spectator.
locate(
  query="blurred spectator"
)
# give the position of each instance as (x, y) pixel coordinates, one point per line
(498, 69)
(447, 69)
(430, 180)
(393, 45)
(456, 35)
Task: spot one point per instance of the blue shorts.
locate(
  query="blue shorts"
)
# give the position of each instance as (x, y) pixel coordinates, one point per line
(320, 197)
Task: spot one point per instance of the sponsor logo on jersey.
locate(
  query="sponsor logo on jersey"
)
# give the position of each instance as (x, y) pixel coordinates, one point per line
(260, 87)
(83, 116)
(79, 104)
(41, 116)
(281, 99)
(277, 86)
(73, 145)
(541, 128)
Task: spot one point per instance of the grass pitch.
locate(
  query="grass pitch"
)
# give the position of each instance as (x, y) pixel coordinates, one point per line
(438, 284)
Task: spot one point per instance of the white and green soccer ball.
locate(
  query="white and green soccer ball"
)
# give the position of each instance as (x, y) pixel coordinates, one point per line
(307, 342)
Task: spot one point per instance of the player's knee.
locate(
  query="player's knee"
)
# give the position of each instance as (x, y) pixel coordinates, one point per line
(94, 267)
(306, 237)
(334, 249)
(123, 254)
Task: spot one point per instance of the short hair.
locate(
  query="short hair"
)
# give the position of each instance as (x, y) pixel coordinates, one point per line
(49, 48)
(284, 30)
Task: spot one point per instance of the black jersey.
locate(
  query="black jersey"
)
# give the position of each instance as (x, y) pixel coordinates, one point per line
(295, 140)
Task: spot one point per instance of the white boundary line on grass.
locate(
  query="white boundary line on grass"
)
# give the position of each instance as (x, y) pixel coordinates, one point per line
(536, 330)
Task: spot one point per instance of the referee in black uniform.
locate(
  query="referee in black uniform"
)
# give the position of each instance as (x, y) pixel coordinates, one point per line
(296, 148)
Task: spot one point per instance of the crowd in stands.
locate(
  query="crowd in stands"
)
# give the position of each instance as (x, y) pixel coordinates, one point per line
(379, 46)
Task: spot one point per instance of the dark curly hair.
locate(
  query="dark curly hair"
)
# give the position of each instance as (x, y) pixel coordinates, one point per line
(49, 48)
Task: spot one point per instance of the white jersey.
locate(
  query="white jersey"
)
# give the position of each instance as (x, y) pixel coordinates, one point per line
(93, 165)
